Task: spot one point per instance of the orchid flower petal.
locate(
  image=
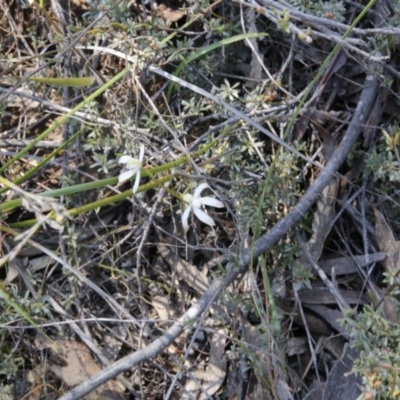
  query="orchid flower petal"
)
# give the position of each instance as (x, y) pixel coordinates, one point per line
(141, 153)
(134, 163)
(124, 159)
(197, 202)
(199, 189)
(187, 198)
(210, 201)
(137, 181)
(126, 175)
(203, 217)
(185, 217)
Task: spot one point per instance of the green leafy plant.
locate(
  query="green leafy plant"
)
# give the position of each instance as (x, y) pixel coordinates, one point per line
(377, 340)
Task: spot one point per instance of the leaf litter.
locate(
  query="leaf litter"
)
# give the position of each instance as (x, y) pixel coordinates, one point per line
(232, 350)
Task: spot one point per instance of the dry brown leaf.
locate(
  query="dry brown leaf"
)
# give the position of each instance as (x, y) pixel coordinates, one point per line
(257, 58)
(296, 345)
(315, 324)
(334, 344)
(257, 392)
(257, 347)
(29, 385)
(234, 382)
(316, 390)
(168, 13)
(164, 309)
(324, 296)
(391, 247)
(217, 363)
(193, 386)
(328, 143)
(282, 390)
(341, 384)
(73, 363)
(111, 344)
(391, 308)
(12, 271)
(325, 212)
(81, 4)
(387, 243)
(166, 312)
(330, 316)
(210, 377)
(349, 265)
(323, 217)
(185, 271)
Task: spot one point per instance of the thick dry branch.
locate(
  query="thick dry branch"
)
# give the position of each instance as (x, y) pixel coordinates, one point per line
(318, 22)
(265, 242)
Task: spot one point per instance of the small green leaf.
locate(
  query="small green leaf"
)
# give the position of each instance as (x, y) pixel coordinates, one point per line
(72, 82)
(12, 303)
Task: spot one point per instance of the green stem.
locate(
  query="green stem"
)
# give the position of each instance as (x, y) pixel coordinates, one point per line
(64, 119)
(67, 191)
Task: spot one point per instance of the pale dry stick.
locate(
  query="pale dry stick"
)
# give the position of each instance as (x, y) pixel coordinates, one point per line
(45, 144)
(335, 38)
(308, 333)
(257, 55)
(235, 118)
(350, 209)
(348, 43)
(62, 20)
(85, 339)
(344, 205)
(241, 115)
(8, 325)
(234, 111)
(174, 381)
(133, 231)
(331, 287)
(287, 63)
(79, 114)
(83, 279)
(143, 306)
(330, 36)
(311, 362)
(57, 57)
(134, 59)
(318, 21)
(15, 31)
(183, 148)
(27, 158)
(366, 242)
(155, 110)
(260, 246)
(204, 93)
(283, 109)
(143, 239)
(22, 273)
(23, 240)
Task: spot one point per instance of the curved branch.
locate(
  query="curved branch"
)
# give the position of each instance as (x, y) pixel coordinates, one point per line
(355, 127)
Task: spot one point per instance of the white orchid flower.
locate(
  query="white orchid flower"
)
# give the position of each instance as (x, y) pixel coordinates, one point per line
(196, 203)
(133, 167)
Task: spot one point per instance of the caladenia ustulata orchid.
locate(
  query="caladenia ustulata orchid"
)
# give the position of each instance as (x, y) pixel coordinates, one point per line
(195, 203)
(133, 167)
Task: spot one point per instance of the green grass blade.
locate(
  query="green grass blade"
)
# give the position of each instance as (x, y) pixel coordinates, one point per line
(207, 49)
(12, 303)
(60, 121)
(70, 82)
